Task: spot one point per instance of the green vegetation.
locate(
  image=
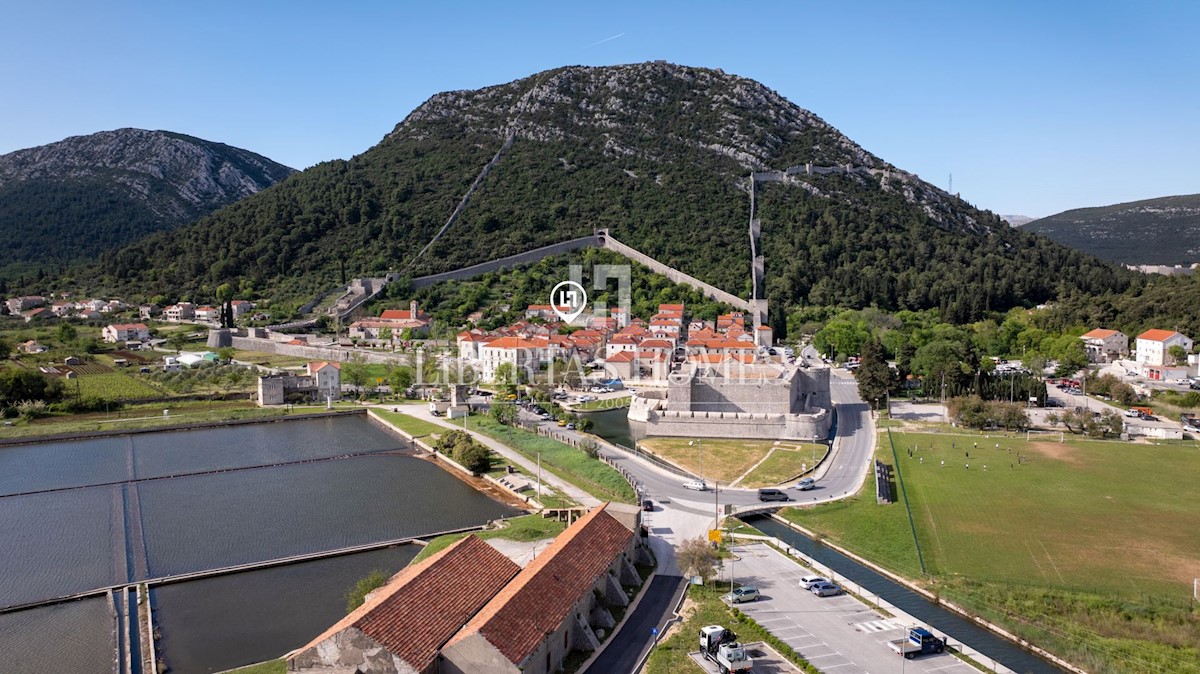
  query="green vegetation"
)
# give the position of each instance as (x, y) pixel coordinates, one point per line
(523, 529)
(704, 607)
(465, 450)
(573, 465)
(112, 386)
(719, 460)
(418, 428)
(783, 464)
(50, 214)
(670, 196)
(365, 585)
(144, 416)
(1042, 543)
(1151, 231)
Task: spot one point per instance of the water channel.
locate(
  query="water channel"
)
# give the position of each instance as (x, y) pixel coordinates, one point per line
(79, 515)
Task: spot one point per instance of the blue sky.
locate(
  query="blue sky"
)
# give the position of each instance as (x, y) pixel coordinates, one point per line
(1035, 107)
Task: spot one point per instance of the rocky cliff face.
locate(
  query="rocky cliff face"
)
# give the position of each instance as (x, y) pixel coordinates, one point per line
(111, 187)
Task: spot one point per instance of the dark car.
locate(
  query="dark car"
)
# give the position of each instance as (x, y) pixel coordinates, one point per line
(773, 495)
(648, 505)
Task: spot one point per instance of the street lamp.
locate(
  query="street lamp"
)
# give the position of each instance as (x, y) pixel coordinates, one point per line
(816, 440)
(699, 472)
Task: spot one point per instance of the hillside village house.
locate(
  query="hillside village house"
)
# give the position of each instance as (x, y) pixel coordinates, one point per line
(321, 381)
(1154, 357)
(17, 305)
(470, 609)
(1153, 353)
(125, 332)
(1105, 346)
(183, 311)
(207, 313)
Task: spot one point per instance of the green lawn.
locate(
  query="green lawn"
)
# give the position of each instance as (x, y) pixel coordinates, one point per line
(782, 465)
(525, 529)
(719, 460)
(418, 428)
(1087, 548)
(573, 465)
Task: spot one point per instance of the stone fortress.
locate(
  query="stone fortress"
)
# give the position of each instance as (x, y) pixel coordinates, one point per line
(756, 401)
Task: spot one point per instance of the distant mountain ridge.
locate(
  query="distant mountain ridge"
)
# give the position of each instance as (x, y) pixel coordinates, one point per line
(1162, 231)
(659, 154)
(1017, 220)
(71, 199)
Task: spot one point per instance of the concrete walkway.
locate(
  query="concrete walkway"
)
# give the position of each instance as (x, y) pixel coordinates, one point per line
(511, 455)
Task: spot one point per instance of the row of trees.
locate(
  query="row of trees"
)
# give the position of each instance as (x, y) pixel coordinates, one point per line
(466, 450)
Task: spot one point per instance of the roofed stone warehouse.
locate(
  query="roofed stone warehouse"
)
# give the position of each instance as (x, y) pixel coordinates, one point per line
(554, 606)
(402, 625)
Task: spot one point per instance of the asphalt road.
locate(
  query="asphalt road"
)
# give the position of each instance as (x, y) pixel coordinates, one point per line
(836, 634)
(627, 646)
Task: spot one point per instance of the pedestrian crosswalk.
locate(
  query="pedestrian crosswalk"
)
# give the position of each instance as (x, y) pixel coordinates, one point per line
(876, 626)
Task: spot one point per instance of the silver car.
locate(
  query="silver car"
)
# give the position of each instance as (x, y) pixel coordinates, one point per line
(825, 589)
(806, 484)
(743, 593)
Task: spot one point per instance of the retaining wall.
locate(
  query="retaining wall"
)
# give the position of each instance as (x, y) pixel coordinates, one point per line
(326, 353)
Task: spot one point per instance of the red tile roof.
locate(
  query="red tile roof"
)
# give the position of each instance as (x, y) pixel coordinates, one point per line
(621, 357)
(423, 606)
(541, 597)
(317, 366)
(1099, 333)
(1157, 335)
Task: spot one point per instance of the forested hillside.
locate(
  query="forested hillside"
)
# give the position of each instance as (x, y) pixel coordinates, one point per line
(67, 201)
(658, 153)
(1153, 231)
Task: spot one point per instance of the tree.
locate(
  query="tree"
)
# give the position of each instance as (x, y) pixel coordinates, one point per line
(365, 585)
(177, 340)
(698, 557)
(874, 376)
(1123, 393)
(225, 354)
(504, 412)
(18, 384)
(401, 378)
(590, 447)
(506, 377)
(386, 334)
(224, 292)
(473, 456)
(584, 424)
(67, 333)
(1177, 353)
(937, 360)
(355, 374)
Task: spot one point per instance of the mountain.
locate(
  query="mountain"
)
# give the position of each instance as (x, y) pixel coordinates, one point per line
(1153, 231)
(1017, 220)
(72, 199)
(660, 154)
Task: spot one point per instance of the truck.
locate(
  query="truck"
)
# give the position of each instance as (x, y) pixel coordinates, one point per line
(721, 646)
(920, 641)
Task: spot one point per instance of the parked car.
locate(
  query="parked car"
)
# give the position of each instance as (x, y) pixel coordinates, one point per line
(648, 505)
(743, 593)
(696, 485)
(806, 483)
(807, 582)
(773, 495)
(825, 589)
(570, 427)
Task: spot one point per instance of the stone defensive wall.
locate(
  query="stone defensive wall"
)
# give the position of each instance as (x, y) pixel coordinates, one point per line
(528, 257)
(326, 353)
(738, 425)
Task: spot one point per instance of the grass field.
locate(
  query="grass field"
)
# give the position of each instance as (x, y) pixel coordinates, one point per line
(573, 465)
(148, 415)
(525, 529)
(418, 428)
(1087, 548)
(719, 460)
(111, 386)
(785, 463)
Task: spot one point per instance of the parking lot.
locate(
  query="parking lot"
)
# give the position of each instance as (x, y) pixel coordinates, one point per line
(837, 634)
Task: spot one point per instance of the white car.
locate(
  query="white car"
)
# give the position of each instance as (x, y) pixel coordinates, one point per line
(806, 484)
(696, 485)
(807, 582)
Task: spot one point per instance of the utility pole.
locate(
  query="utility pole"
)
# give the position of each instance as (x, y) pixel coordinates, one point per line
(539, 489)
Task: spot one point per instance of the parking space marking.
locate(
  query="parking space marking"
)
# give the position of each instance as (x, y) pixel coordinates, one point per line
(877, 625)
